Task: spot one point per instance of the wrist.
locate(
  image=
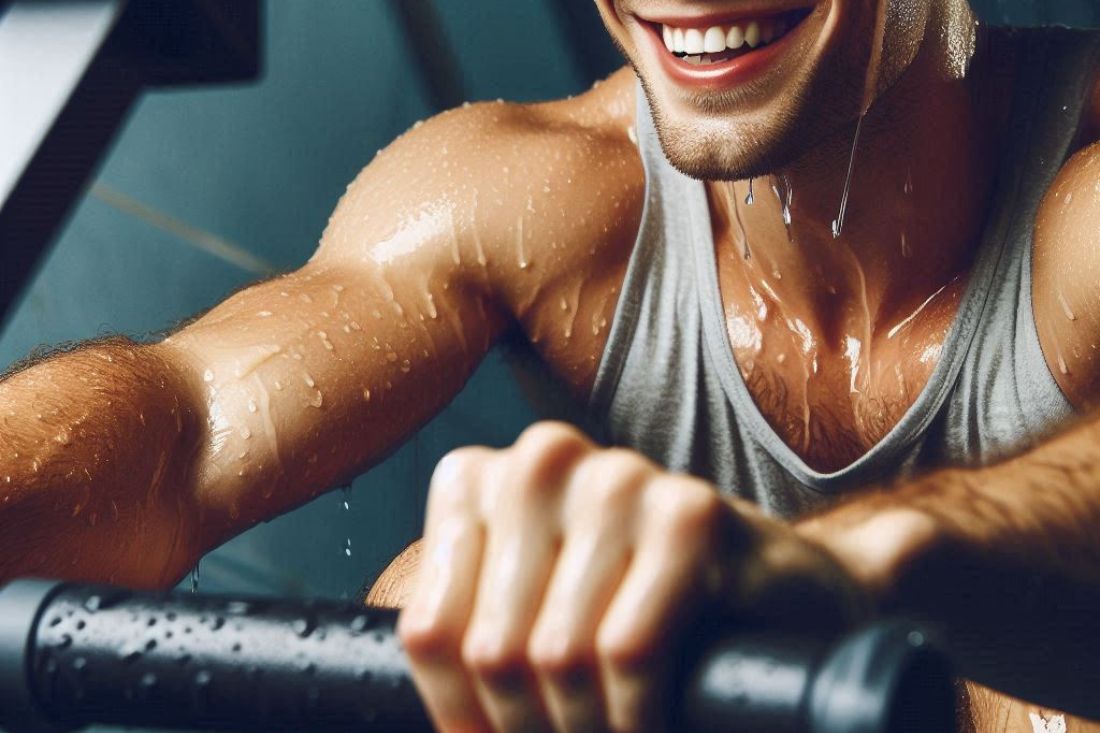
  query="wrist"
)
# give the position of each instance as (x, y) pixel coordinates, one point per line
(877, 548)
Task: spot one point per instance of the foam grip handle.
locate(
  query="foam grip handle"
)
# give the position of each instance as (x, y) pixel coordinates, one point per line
(106, 655)
(74, 655)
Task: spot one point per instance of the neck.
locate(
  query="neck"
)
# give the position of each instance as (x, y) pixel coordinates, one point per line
(922, 176)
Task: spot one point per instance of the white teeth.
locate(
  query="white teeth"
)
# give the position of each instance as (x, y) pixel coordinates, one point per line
(693, 41)
(714, 41)
(752, 34)
(735, 39)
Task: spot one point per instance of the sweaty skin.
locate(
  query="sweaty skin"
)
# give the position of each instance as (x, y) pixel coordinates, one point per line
(126, 463)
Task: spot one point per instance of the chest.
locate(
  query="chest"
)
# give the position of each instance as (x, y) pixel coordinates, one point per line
(831, 388)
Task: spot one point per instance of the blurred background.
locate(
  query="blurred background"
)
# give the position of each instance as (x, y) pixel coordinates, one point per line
(208, 189)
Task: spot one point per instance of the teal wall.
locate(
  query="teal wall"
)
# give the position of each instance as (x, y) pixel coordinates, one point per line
(208, 190)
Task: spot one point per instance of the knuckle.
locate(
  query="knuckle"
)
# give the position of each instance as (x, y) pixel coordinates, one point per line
(560, 658)
(696, 512)
(456, 473)
(543, 453)
(426, 639)
(549, 438)
(615, 474)
(622, 652)
(493, 660)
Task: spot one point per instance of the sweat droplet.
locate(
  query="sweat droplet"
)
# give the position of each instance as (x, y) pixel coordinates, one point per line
(786, 196)
(252, 405)
(838, 223)
(246, 433)
(366, 395)
(208, 376)
(303, 627)
(521, 254)
(1066, 310)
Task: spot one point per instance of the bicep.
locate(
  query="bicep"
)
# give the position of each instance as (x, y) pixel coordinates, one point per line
(1066, 278)
(307, 379)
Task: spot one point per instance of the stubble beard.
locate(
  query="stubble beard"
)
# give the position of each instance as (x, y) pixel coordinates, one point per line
(722, 144)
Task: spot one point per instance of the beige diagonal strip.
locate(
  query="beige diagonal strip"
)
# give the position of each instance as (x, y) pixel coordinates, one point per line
(206, 241)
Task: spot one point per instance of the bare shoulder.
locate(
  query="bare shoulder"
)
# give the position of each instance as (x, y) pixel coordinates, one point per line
(532, 207)
(491, 187)
(479, 173)
(1066, 277)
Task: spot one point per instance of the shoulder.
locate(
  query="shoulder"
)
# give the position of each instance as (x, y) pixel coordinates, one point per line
(510, 199)
(1066, 277)
(493, 177)
(491, 150)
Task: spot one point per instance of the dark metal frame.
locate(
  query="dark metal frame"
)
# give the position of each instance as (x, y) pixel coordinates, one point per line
(136, 45)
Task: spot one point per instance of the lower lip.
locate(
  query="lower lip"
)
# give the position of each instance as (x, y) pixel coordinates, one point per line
(734, 72)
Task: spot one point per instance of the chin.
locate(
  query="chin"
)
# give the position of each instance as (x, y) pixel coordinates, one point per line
(713, 147)
(727, 150)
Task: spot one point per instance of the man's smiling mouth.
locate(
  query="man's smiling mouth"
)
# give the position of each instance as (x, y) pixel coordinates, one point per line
(719, 42)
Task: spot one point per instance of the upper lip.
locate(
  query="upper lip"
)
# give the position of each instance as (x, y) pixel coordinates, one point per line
(748, 11)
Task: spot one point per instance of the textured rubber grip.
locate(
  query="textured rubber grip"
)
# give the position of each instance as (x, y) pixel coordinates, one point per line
(196, 662)
(72, 656)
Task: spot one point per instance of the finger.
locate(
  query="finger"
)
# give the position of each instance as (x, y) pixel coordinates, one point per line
(599, 519)
(667, 577)
(454, 485)
(523, 544)
(562, 647)
(432, 625)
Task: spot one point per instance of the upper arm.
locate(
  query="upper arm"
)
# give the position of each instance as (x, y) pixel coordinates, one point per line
(1066, 278)
(308, 378)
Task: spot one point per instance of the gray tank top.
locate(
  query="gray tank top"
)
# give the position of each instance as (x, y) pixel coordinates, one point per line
(668, 386)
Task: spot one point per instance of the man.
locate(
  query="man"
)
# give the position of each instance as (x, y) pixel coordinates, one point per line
(877, 315)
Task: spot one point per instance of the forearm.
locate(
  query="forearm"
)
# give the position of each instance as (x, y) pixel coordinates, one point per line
(93, 463)
(1005, 560)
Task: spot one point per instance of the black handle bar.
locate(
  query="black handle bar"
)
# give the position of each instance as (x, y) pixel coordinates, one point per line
(73, 655)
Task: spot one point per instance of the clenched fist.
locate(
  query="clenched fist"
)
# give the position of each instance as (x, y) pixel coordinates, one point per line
(558, 578)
